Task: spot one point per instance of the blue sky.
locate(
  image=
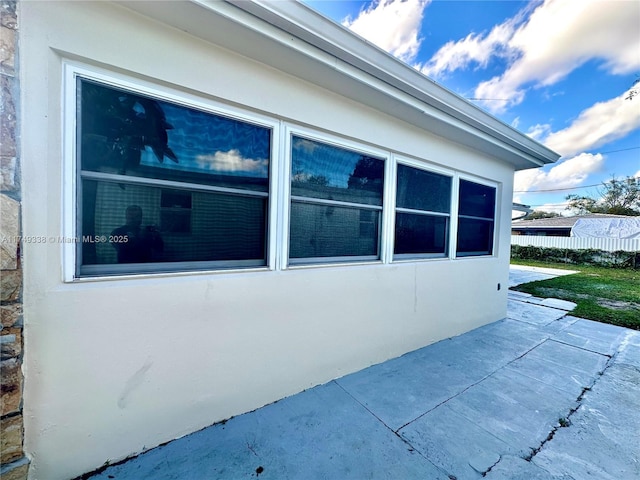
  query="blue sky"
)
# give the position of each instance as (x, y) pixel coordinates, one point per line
(557, 70)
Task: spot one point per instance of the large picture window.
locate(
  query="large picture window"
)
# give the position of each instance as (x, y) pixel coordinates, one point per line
(336, 203)
(166, 182)
(476, 218)
(165, 187)
(423, 207)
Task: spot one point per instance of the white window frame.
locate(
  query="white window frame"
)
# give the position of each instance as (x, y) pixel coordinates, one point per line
(427, 167)
(71, 172)
(496, 221)
(279, 193)
(289, 132)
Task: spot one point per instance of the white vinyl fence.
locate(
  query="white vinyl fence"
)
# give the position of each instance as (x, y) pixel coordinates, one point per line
(574, 243)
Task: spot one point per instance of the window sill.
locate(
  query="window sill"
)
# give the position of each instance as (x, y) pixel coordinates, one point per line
(346, 264)
(421, 259)
(161, 275)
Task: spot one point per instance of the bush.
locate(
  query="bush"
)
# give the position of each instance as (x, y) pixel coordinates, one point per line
(619, 259)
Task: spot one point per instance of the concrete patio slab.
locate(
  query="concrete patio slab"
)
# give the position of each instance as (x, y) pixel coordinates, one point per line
(534, 314)
(321, 433)
(629, 352)
(560, 304)
(508, 406)
(540, 395)
(515, 468)
(559, 325)
(519, 274)
(455, 443)
(601, 441)
(594, 336)
(561, 366)
(402, 389)
(398, 392)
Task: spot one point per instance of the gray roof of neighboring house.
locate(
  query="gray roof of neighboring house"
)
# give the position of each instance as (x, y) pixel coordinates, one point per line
(558, 222)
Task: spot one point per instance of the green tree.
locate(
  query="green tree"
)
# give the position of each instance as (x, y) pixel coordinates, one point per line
(540, 214)
(617, 196)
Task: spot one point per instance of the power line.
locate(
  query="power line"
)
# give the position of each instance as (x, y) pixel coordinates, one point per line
(621, 150)
(570, 188)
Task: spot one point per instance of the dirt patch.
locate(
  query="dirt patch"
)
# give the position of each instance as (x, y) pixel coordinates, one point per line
(546, 292)
(617, 305)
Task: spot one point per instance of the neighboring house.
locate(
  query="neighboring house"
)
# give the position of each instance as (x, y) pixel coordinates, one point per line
(554, 227)
(230, 202)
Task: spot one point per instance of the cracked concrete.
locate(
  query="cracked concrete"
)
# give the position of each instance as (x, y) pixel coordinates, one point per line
(538, 396)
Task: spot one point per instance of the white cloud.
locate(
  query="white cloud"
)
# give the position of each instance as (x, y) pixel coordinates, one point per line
(306, 145)
(568, 174)
(515, 122)
(393, 25)
(544, 43)
(474, 48)
(232, 161)
(637, 174)
(539, 131)
(560, 36)
(596, 126)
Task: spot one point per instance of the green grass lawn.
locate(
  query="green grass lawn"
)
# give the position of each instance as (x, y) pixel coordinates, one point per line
(603, 294)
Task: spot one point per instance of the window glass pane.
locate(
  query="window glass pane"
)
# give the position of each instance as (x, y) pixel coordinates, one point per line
(175, 211)
(129, 134)
(477, 200)
(475, 237)
(417, 234)
(422, 190)
(328, 231)
(324, 171)
(122, 223)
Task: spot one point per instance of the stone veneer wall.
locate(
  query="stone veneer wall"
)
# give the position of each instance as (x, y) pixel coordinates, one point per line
(13, 464)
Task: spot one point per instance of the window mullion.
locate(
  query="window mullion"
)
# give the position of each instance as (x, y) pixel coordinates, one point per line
(156, 182)
(471, 217)
(455, 208)
(421, 212)
(335, 203)
(387, 237)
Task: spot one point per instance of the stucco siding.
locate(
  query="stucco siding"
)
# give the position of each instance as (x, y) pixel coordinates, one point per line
(118, 365)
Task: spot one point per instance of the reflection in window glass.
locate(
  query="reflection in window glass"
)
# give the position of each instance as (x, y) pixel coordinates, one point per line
(477, 200)
(175, 211)
(423, 204)
(422, 190)
(476, 218)
(169, 187)
(336, 202)
(332, 231)
(475, 237)
(324, 171)
(418, 234)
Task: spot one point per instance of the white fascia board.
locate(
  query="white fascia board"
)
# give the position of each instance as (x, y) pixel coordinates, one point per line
(521, 208)
(294, 38)
(305, 23)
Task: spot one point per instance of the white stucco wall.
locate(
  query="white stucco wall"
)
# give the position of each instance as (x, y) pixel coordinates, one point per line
(115, 366)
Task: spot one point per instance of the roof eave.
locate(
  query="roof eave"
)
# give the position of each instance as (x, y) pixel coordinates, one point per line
(298, 19)
(385, 82)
